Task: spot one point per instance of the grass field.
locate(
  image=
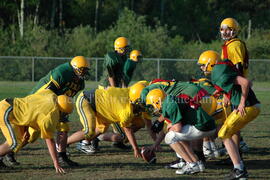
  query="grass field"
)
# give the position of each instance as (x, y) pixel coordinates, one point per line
(110, 163)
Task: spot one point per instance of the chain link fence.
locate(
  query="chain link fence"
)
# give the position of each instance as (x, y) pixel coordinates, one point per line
(22, 68)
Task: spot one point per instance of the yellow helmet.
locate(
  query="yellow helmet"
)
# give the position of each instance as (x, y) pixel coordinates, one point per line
(121, 45)
(208, 59)
(136, 89)
(80, 66)
(65, 104)
(135, 55)
(155, 98)
(229, 28)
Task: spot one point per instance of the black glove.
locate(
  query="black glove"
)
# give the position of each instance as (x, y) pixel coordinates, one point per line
(157, 126)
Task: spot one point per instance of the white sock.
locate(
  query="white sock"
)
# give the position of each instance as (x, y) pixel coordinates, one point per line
(238, 166)
(179, 156)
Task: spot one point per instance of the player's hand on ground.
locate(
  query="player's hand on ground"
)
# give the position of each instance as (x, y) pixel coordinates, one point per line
(59, 170)
(137, 153)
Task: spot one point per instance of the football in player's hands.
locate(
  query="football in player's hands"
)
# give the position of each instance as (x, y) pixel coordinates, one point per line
(148, 156)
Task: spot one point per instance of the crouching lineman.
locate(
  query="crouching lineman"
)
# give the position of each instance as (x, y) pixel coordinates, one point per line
(185, 124)
(99, 108)
(40, 111)
(69, 79)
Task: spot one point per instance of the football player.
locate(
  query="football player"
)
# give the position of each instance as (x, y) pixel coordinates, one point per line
(192, 94)
(236, 51)
(135, 57)
(138, 122)
(233, 48)
(68, 79)
(206, 62)
(114, 76)
(40, 111)
(99, 108)
(228, 81)
(186, 123)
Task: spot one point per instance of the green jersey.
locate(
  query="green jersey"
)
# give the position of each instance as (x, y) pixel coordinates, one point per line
(178, 111)
(64, 79)
(206, 84)
(113, 67)
(174, 89)
(224, 76)
(129, 68)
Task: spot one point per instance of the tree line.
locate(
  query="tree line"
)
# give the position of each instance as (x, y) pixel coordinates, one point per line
(160, 29)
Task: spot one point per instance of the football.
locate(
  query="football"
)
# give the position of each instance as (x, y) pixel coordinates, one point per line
(148, 156)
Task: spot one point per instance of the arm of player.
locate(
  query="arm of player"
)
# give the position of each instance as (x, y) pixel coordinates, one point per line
(132, 141)
(226, 101)
(156, 145)
(148, 124)
(52, 150)
(245, 85)
(111, 81)
(111, 77)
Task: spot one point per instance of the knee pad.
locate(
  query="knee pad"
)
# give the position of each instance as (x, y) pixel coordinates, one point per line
(170, 138)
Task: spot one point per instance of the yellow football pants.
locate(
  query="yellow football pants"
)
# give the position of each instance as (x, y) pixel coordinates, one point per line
(90, 120)
(14, 134)
(235, 121)
(87, 116)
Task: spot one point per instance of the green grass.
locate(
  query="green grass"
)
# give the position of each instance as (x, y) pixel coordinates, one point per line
(110, 163)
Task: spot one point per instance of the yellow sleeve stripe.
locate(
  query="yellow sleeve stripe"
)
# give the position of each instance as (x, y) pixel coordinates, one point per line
(55, 82)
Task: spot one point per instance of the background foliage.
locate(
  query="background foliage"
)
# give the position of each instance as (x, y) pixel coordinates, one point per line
(160, 29)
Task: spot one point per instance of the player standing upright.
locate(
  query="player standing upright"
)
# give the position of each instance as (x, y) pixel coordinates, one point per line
(113, 74)
(233, 48)
(130, 65)
(245, 105)
(236, 51)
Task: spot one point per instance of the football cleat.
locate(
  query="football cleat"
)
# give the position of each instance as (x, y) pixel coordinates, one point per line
(237, 174)
(85, 148)
(65, 161)
(10, 159)
(169, 166)
(188, 169)
(201, 166)
(177, 164)
(95, 144)
(3, 165)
